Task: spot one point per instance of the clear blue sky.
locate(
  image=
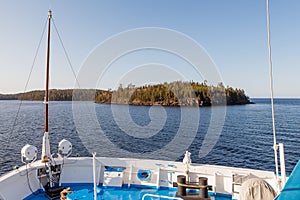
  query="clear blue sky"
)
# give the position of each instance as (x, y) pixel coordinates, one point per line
(233, 32)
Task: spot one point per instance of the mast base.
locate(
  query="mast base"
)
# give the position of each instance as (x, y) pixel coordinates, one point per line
(46, 154)
(45, 159)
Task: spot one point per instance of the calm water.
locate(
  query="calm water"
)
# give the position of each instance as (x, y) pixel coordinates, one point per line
(246, 139)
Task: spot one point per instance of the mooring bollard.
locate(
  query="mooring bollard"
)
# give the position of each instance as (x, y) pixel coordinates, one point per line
(203, 192)
(181, 189)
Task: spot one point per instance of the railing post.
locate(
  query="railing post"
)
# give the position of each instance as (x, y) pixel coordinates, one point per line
(158, 178)
(94, 175)
(282, 165)
(130, 175)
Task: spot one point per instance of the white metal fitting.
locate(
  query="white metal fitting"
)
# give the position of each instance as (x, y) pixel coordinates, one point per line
(28, 153)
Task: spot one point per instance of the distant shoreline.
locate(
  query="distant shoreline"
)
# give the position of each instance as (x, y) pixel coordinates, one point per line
(251, 102)
(173, 94)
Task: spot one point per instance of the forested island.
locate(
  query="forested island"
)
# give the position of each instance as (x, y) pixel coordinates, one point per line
(167, 94)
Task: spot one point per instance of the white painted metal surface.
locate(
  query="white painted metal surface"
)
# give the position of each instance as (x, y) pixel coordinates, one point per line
(282, 165)
(94, 176)
(14, 185)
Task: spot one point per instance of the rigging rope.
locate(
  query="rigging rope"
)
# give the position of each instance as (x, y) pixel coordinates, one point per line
(66, 54)
(271, 89)
(7, 144)
(10, 135)
(28, 182)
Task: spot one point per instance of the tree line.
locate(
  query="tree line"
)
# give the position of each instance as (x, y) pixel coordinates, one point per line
(177, 93)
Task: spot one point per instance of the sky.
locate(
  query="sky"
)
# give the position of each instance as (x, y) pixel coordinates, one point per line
(233, 34)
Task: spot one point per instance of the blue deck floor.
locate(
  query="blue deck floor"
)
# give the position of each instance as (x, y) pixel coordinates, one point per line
(86, 192)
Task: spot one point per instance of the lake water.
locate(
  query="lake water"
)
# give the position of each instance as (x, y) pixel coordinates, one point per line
(245, 140)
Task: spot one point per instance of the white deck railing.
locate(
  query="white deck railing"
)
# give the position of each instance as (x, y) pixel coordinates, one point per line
(160, 196)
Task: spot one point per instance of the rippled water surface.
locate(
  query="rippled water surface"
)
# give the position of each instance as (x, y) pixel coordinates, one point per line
(246, 138)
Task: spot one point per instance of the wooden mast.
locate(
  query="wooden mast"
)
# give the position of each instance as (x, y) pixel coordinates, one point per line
(47, 74)
(46, 144)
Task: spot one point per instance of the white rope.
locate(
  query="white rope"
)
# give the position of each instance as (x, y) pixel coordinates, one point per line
(271, 88)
